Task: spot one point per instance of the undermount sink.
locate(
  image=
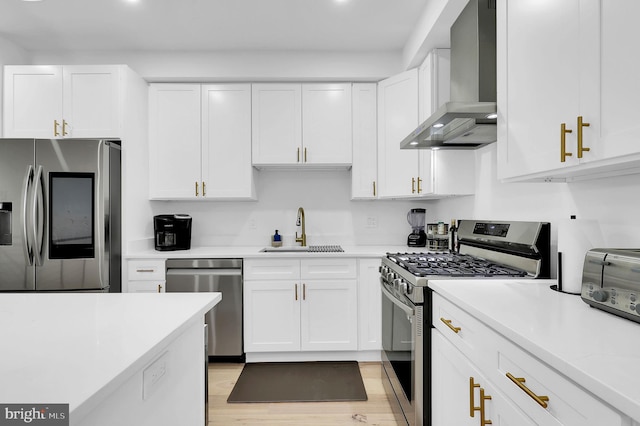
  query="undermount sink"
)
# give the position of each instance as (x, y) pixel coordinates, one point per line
(305, 249)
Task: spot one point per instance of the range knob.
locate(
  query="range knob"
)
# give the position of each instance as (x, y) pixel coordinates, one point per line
(391, 276)
(600, 296)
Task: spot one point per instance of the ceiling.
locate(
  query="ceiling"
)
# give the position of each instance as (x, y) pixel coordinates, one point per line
(209, 25)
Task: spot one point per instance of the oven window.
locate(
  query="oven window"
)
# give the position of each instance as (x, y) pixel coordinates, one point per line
(397, 343)
(71, 215)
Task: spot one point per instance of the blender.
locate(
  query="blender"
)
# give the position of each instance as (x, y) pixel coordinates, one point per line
(417, 237)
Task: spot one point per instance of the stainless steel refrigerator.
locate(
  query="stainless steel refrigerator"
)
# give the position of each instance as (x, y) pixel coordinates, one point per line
(60, 215)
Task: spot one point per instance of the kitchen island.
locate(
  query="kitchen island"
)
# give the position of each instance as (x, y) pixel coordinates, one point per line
(127, 359)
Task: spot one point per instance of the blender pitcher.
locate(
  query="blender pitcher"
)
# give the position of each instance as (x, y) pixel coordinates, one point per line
(417, 237)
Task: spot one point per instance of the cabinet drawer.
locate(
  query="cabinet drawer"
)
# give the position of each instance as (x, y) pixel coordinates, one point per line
(147, 286)
(470, 336)
(328, 268)
(272, 269)
(146, 270)
(567, 404)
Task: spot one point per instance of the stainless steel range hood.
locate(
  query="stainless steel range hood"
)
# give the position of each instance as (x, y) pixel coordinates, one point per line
(469, 120)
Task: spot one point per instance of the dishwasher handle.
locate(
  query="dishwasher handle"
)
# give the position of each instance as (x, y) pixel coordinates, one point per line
(205, 271)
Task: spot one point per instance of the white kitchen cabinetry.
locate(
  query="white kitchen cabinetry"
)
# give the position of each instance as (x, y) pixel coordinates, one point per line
(200, 141)
(398, 170)
(364, 169)
(576, 70)
(523, 390)
(71, 101)
(369, 305)
(300, 305)
(146, 276)
(301, 124)
(424, 173)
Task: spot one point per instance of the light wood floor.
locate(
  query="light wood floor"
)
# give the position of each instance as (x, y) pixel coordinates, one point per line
(375, 411)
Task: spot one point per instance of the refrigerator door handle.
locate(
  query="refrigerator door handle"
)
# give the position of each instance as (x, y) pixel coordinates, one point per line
(38, 226)
(28, 180)
(100, 214)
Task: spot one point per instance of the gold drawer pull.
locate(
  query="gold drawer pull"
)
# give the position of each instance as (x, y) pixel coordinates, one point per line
(472, 403)
(581, 147)
(483, 398)
(145, 270)
(563, 142)
(159, 288)
(519, 381)
(447, 322)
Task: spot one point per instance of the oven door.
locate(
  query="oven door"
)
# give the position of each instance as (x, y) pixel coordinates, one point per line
(402, 354)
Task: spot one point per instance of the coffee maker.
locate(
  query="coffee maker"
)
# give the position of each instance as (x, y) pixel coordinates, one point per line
(417, 237)
(172, 232)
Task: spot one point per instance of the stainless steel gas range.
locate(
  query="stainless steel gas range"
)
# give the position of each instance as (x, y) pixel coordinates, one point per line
(486, 249)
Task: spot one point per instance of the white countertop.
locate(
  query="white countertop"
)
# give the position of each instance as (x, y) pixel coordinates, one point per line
(249, 252)
(77, 348)
(596, 349)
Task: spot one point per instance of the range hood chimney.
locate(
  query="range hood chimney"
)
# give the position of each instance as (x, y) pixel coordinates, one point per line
(469, 120)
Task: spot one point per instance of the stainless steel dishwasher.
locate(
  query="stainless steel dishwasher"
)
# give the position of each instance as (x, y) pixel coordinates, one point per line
(225, 319)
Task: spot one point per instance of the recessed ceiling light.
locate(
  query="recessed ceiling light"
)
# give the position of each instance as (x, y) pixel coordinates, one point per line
(438, 125)
(413, 143)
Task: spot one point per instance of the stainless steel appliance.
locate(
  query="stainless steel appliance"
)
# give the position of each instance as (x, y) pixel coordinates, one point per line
(486, 249)
(611, 281)
(172, 232)
(417, 237)
(60, 209)
(225, 319)
(469, 120)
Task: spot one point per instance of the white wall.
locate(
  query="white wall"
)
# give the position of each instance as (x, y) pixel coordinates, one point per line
(331, 217)
(613, 202)
(240, 66)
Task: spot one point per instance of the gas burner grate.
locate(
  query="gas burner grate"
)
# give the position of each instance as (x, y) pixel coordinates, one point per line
(452, 265)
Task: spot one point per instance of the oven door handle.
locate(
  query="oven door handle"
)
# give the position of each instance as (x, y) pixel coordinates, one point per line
(406, 309)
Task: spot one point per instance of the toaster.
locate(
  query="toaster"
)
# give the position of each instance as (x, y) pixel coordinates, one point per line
(611, 281)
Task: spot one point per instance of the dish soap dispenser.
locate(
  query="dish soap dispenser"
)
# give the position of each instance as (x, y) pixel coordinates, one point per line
(276, 240)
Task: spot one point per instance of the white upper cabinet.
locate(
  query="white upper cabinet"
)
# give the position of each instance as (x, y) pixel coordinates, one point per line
(200, 141)
(174, 140)
(276, 123)
(364, 169)
(404, 101)
(397, 117)
(79, 101)
(326, 123)
(308, 124)
(575, 75)
(226, 141)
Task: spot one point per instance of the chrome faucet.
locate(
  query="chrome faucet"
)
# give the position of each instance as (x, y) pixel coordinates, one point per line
(302, 239)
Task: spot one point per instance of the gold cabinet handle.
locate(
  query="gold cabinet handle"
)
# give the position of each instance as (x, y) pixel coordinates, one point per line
(145, 270)
(419, 187)
(204, 189)
(64, 127)
(413, 185)
(304, 291)
(55, 128)
(374, 188)
(159, 288)
(563, 142)
(581, 125)
(483, 398)
(305, 155)
(298, 160)
(447, 322)
(196, 189)
(519, 381)
(296, 291)
(472, 404)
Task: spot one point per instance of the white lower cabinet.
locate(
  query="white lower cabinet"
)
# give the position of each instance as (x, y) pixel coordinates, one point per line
(369, 305)
(470, 360)
(300, 305)
(145, 276)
